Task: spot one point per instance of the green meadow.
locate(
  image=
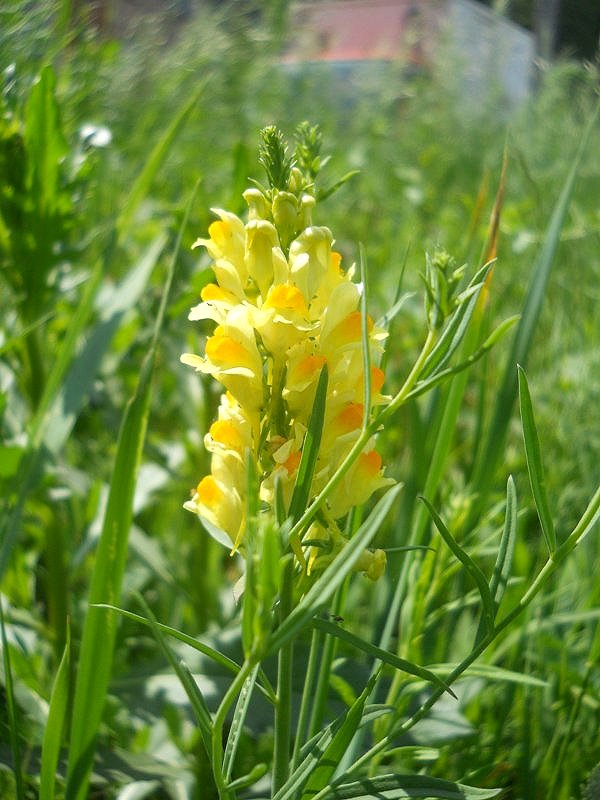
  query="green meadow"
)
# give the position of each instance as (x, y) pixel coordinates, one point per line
(140, 658)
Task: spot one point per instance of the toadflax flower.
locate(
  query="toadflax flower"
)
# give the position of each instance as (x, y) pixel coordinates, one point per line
(283, 308)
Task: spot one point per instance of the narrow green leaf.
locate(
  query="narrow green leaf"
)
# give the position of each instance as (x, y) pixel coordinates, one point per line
(377, 652)
(535, 466)
(11, 708)
(321, 592)
(441, 375)
(386, 320)
(237, 723)
(310, 449)
(219, 658)
(493, 673)
(398, 787)
(331, 756)
(506, 550)
(471, 567)
(55, 724)
(323, 194)
(244, 781)
(186, 679)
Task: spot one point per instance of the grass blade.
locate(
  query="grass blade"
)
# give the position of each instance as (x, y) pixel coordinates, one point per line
(471, 567)
(331, 756)
(219, 658)
(11, 708)
(237, 723)
(377, 652)
(503, 563)
(55, 725)
(398, 787)
(489, 455)
(535, 466)
(144, 181)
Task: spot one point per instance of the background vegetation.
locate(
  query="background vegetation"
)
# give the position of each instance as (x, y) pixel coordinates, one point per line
(102, 141)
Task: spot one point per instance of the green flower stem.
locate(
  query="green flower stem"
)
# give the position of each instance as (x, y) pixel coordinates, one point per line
(217, 734)
(316, 643)
(37, 370)
(283, 709)
(277, 406)
(411, 380)
(587, 521)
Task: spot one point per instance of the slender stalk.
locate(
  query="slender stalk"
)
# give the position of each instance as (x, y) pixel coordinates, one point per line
(37, 369)
(316, 643)
(283, 709)
(567, 738)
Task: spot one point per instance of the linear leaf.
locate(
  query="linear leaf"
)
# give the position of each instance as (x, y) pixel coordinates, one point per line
(55, 724)
(332, 578)
(506, 550)
(219, 658)
(471, 567)
(377, 652)
(11, 709)
(535, 466)
(398, 787)
(331, 756)
(237, 723)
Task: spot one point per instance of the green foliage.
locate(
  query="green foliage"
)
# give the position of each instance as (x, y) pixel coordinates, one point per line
(180, 699)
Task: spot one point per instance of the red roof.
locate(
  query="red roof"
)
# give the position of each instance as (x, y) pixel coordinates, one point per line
(349, 30)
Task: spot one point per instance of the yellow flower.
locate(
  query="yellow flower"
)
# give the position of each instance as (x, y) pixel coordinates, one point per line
(221, 505)
(282, 320)
(310, 258)
(363, 478)
(232, 357)
(261, 241)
